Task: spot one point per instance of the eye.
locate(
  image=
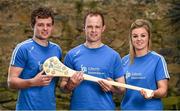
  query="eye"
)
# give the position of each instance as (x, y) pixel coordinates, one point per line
(89, 26)
(134, 36)
(97, 27)
(40, 24)
(49, 25)
(143, 35)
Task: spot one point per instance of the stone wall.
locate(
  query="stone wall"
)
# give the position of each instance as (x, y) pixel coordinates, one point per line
(119, 14)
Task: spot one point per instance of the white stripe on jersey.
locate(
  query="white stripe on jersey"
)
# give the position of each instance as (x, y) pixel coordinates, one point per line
(55, 45)
(164, 64)
(16, 50)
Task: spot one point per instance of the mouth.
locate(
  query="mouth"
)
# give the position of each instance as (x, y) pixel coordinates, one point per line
(44, 33)
(93, 35)
(139, 43)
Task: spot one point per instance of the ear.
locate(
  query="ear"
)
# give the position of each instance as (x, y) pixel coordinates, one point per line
(31, 27)
(104, 27)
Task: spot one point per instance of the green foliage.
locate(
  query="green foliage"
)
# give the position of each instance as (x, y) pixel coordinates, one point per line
(174, 15)
(93, 5)
(119, 14)
(79, 6)
(171, 103)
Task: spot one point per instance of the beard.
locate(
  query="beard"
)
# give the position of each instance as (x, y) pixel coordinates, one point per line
(40, 37)
(93, 39)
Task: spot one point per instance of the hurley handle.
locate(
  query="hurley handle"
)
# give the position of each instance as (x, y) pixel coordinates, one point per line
(54, 67)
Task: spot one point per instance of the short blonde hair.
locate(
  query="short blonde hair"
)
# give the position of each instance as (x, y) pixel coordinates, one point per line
(138, 24)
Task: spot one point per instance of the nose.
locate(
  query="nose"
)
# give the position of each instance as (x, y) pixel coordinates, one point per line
(93, 29)
(139, 38)
(45, 27)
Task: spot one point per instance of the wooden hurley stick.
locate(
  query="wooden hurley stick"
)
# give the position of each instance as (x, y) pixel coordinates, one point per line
(54, 67)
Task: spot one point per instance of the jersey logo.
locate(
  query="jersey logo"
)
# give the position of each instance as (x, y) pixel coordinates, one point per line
(83, 69)
(91, 70)
(32, 48)
(128, 75)
(134, 75)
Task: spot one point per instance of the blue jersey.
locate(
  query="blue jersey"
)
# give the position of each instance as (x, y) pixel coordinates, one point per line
(101, 62)
(145, 72)
(30, 56)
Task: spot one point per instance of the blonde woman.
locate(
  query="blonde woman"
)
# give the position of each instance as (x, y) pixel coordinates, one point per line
(144, 68)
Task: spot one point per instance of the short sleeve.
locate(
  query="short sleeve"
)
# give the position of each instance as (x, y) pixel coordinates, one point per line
(68, 61)
(118, 69)
(60, 52)
(18, 58)
(161, 70)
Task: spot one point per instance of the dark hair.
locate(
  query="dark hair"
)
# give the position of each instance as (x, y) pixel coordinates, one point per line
(94, 14)
(42, 12)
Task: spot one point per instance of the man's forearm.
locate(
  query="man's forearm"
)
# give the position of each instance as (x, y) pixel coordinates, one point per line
(18, 83)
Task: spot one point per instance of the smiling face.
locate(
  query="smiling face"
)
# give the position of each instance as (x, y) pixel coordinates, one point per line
(94, 28)
(43, 28)
(140, 39)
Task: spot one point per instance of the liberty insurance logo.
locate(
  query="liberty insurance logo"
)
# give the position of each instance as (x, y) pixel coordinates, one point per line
(83, 68)
(128, 74)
